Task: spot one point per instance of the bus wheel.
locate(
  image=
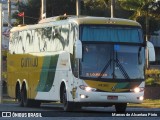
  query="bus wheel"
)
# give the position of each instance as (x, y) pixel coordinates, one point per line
(19, 97)
(67, 106)
(120, 107)
(24, 98)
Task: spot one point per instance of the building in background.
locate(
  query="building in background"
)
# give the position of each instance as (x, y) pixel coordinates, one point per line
(5, 36)
(6, 29)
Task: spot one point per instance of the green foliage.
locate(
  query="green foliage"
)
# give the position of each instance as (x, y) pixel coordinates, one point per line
(132, 5)
(32, 10)
(95, 8)
(149, 81)
(152, 72)
(102, 8)
(151, 20)
(141, 9)
(152, 77)
(60, 7)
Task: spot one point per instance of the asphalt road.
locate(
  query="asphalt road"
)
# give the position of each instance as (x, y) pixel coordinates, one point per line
(55, 111)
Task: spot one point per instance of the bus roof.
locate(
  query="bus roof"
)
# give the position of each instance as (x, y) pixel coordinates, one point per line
(104, 20)
(78, 20)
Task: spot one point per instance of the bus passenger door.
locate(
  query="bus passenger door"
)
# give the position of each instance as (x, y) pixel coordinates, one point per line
(74, 77)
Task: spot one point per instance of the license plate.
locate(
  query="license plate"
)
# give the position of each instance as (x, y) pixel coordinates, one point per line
(112, 97)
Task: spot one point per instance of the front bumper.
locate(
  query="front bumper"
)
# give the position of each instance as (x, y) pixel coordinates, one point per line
(109, 97)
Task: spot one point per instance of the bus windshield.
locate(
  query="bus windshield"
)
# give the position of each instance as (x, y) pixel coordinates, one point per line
(102, 33)
(112, 61)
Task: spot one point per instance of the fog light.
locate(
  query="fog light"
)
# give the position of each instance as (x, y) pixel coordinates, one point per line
(141, 98)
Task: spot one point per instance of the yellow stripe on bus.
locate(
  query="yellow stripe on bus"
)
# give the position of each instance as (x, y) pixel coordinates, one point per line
(106, 86)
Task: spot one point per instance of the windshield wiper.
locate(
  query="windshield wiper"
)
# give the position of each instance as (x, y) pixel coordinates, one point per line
(123, 71)
(105, 68)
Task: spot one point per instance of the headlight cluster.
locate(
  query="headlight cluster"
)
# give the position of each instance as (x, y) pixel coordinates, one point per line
(137, 90)
(86, 88)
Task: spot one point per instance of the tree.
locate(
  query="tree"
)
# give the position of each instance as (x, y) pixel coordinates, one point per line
(103, 8)
(154, 9)
(96, 8)
(123, 9)
(32, 9)
(137, 6)
(61, 7)
(152, 27)
(31, 12)
(142, 10)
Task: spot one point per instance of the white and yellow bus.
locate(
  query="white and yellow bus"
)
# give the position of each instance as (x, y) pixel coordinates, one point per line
(79, 61)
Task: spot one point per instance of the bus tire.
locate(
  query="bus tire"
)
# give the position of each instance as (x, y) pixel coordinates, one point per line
(19, 97)
(121, 107)
(25, 100)
(67, 106)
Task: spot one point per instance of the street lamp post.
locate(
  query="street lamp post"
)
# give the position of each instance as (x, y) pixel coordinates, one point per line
(147, 32)
(1, 83)
(9, 13)
(43, 9)
(78, 9)
(112, 8)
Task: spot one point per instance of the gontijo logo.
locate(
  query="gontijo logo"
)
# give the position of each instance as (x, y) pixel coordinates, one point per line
(29, 62)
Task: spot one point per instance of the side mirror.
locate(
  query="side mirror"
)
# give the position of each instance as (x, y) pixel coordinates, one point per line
(150, 51)
(78, 49)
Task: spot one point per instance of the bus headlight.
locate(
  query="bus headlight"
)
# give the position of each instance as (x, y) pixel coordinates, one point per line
(137, 89)
(86, 88)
